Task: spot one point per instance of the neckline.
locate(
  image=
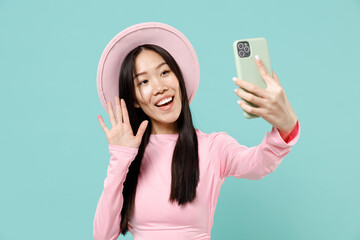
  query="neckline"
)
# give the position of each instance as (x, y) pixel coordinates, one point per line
(169, 136)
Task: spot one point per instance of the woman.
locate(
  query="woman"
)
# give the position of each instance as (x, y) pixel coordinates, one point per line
(164, 175)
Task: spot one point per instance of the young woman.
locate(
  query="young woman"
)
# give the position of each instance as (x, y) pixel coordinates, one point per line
(164, 176)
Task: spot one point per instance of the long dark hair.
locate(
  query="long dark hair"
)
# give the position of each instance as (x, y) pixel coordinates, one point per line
(185, 160)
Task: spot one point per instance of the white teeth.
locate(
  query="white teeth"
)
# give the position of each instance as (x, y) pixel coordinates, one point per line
(164, 101)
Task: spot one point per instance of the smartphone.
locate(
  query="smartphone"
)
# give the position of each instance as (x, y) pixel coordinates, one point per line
(244, 53)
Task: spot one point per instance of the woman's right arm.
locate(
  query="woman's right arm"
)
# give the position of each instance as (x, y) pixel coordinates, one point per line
(107, 219)
(123, 147)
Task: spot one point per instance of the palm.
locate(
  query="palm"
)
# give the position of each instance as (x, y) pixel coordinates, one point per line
(121, 133)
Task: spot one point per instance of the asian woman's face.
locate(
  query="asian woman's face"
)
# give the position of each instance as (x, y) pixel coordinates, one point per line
(157, 92)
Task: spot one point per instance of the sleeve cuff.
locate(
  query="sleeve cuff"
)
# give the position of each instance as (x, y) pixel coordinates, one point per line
(292, 138)
(294, 132)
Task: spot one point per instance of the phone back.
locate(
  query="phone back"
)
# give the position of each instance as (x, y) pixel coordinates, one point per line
(244, 53)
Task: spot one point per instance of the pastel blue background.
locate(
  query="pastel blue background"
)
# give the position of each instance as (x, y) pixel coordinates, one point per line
(54, 154)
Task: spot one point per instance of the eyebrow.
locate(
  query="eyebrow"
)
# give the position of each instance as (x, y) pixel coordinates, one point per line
(138, 74)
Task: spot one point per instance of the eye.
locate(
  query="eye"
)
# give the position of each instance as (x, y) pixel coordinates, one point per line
(144, 81)
(165, 72)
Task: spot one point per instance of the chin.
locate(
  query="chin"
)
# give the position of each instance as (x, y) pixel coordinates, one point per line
(172, 120)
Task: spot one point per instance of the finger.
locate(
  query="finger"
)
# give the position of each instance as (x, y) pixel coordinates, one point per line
(124, 112)
(249, 97)
(142, 128)
(249, 109)
(250, 87)
(260, 65)
(111, 114)
(276, 77)
(102, 124)
(118, 110)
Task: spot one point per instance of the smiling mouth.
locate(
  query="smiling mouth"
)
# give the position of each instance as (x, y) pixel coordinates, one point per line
(169, 102)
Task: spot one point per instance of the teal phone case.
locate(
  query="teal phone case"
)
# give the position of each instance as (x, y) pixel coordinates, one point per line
(246, 67)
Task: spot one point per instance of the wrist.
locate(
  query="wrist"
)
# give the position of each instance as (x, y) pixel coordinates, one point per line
(285, 133)
(287, 129)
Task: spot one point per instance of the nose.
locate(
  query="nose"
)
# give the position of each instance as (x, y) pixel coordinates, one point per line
(159, 86)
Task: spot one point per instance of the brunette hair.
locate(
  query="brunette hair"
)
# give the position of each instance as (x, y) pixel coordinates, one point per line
(185, 160)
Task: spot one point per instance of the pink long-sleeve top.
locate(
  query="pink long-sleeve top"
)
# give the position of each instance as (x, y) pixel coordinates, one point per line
(155, 217)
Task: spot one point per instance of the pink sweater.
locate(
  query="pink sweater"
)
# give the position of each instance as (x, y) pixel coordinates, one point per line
(155, 217)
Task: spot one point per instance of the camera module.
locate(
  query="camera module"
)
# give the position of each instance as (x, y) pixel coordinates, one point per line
(243, 49)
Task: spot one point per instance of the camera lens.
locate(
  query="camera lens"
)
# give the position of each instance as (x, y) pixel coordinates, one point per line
(241, 53)
(240, 45)
(246, 49)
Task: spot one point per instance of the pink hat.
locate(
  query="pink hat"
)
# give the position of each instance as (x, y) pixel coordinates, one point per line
(163, 35)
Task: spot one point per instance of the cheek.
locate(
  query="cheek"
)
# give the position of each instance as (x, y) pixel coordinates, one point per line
(144, 95)
(179, 92)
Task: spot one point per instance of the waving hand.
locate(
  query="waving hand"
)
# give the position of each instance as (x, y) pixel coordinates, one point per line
(121, 132)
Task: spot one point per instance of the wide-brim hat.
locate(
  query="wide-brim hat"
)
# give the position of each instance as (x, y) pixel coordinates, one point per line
(163, 35)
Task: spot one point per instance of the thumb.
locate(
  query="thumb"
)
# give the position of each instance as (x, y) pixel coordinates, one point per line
(142, 129)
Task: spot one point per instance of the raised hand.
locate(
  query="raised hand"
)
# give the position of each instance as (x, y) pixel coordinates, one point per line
(273, 105)
(121, 133)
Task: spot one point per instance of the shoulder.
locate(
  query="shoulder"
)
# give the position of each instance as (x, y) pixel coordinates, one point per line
(214, 138)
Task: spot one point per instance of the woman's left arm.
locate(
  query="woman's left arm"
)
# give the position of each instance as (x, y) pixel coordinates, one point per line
(273, 105)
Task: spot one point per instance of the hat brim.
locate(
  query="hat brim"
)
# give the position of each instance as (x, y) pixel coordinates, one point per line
(163, 35)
